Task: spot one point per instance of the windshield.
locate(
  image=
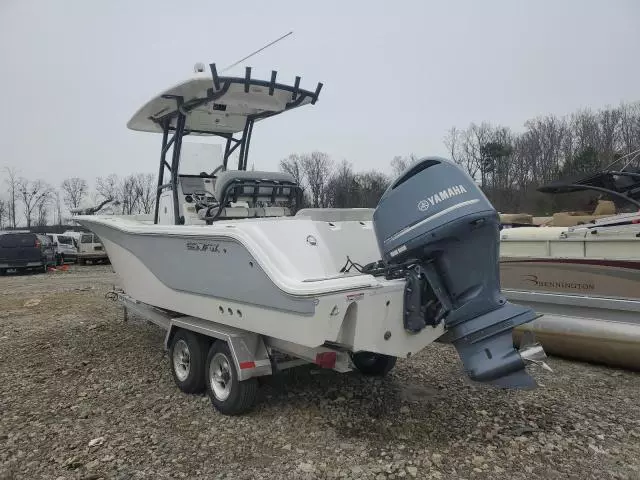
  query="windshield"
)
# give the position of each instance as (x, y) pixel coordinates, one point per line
(196, 157)
(86, 238)
(65, 240)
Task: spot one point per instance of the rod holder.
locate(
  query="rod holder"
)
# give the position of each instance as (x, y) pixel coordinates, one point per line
(296, 87)
(214, 74)
(315, 96)
(247, 79)
(272, 84)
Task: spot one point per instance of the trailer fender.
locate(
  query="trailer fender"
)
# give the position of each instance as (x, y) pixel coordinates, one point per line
(248, 349)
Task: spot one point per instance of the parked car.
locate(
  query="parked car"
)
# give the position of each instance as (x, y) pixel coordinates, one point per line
(21, 250)
(65, 248)
(89, 247)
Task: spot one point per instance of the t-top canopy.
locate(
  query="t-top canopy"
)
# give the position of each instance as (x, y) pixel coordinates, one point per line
(219, 105)
(621, 185)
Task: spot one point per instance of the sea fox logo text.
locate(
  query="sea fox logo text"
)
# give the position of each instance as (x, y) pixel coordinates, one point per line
(436, 198)
(203, 247)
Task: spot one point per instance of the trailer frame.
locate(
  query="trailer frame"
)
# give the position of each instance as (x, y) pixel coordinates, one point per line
(253, 355)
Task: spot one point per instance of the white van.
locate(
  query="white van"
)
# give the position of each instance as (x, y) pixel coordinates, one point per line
(89, 247)
(65, 248)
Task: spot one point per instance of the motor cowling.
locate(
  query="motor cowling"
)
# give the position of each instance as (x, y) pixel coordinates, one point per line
(435, 223)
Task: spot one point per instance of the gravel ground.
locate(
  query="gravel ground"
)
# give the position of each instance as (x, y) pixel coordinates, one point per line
(83, 395)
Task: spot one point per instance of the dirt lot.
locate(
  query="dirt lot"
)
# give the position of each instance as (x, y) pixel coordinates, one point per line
(83, 395)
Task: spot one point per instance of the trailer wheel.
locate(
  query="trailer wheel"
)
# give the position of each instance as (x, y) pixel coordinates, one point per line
(375, 364)
(187, 354)
(228, 395)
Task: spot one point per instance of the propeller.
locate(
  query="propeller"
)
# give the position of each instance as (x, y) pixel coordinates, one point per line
(532, 352)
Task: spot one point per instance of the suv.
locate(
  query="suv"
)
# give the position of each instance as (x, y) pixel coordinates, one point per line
(65, 248)
(25, 251)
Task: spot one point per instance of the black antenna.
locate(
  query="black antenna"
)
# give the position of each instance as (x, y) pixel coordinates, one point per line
(257, 51)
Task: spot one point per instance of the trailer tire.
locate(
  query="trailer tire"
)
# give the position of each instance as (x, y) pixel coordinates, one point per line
(187, 355)
(227, 394)
(374, 364)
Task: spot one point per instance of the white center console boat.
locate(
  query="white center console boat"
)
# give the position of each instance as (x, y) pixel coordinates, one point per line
(239, 275)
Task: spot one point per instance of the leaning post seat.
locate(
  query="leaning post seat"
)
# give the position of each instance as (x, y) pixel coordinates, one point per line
(266, 193)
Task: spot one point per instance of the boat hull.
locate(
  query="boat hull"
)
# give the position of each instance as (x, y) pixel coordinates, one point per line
(590, 307)
(588, 339)
(361, 316)
(592, 277)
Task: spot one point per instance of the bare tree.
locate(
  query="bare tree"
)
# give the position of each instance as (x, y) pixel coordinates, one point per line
(42, 207)
(74, 190)
(3, 212)
(342, 187)
(146, 191)
(466, 148)
(107, 187)
(372, 185)
(608, 130)
(58, 211)
(629, 127)
(13, 188)
(317, 167)
(399, 164)
(293, 166)
(477, 137)
(32, 194)
(128, 195)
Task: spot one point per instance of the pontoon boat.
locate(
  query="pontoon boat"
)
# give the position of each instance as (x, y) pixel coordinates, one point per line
(584, 278)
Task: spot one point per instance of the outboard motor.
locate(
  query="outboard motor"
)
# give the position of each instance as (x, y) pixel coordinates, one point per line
(436, 226)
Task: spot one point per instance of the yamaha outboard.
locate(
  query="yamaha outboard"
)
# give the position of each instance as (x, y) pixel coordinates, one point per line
(437, 229)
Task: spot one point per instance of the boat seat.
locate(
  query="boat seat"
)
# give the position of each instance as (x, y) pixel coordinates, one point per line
(604, 207)
(272, 212)
(254, 187)
(236, 212)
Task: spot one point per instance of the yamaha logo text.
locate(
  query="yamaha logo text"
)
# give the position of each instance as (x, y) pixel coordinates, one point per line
(436, 198)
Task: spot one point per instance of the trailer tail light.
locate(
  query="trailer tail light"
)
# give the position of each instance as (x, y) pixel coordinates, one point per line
(326, 359)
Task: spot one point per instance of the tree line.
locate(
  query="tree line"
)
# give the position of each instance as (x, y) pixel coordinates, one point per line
(38, 203)
(509, 166)
(326, 183)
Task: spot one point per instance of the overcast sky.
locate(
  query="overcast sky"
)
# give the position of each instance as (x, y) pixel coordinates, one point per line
(397, 75)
